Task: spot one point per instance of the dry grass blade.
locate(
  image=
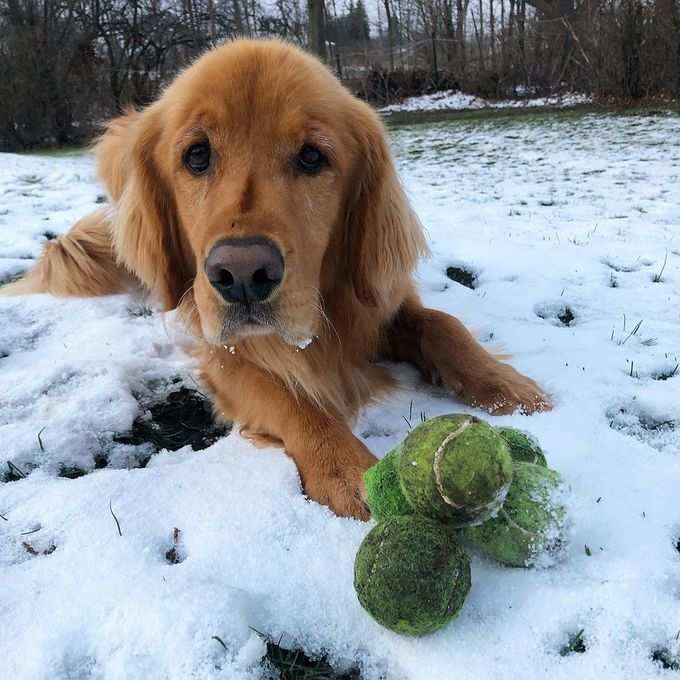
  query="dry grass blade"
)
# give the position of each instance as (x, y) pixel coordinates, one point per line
(113, 514)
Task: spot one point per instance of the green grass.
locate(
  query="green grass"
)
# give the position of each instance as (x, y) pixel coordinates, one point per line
(575, 644)
(294, 664)
(462, 276)
(58, 152)
(664, 658)
(508, 116)
(284, 663)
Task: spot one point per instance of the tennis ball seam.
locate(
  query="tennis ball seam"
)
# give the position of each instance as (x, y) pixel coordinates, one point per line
(454, 593)
(536, 538)
(437, 460)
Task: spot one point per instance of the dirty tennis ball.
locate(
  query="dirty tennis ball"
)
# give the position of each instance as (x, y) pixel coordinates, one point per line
(455, 468)
(531, 523)
(523, 446)
(411, 575)
(383, 488)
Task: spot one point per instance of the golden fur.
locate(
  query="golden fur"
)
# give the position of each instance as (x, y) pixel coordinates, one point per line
(348, 236)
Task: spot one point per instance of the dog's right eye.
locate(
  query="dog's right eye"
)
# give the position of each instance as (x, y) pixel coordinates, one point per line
(197, 158)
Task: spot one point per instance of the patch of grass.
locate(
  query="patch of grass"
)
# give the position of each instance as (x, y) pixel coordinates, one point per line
(71, 471)
(666, 659)
(13, 473)
(174, 554)
(35, 553)
(501, 117)
(294, 664)
(463, 276)
(58, 151)
(409, 420)
(666, 374)
(140, 311)
(101, 460)
(658, 277)
(10, 278)
(622, 268)
(650, 429)
(566, 316)
(558, 313)
(184, 417)
(625, 337)
(575, 644)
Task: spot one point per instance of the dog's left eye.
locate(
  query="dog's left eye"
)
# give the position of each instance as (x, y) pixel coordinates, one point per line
(197, 158)
(310, 160)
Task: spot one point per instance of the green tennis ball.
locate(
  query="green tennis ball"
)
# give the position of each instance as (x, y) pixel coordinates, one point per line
(523, 446)
(411, 575)
(455, 468)
(383, 488)
(531, 523)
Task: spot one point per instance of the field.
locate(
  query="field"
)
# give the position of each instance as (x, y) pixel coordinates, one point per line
(138, 541)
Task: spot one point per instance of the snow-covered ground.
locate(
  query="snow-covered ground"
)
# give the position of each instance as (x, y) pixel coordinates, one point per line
(550, 213)
(449, 100)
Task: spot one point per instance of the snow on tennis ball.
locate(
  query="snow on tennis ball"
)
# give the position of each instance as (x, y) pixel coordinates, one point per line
(531, 525)
(455, 468)
(411, 575)
(523, 446)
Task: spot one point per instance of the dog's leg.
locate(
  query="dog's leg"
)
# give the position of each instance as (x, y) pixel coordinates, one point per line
(447, 353)
(330, 459)
(81, 263)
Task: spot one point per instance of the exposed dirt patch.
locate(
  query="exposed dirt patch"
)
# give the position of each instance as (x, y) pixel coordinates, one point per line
(465, 277)
(182, 417)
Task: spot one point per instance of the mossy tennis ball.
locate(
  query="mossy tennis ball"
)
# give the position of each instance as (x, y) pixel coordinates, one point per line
(455, 468)
(383, 488)
(523, 446)
(531, 523)
(411, 575)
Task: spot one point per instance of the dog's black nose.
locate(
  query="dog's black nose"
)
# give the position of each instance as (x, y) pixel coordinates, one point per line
(244, 270)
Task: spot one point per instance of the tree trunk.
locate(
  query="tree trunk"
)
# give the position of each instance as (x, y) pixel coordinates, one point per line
(390, 33)
(317, 28)
(492, 30)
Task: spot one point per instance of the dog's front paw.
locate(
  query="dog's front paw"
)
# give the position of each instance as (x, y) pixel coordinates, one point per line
(501, 390)
(334, 477)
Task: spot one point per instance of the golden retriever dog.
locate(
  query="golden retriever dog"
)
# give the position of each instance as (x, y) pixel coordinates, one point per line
(259, 198)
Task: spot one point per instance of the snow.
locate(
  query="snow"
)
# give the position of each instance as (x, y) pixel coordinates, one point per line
(304, 343)
(549, 213)
(449, 100)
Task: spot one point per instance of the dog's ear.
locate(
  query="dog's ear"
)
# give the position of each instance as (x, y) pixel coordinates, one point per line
(385, 238)
(147, 234)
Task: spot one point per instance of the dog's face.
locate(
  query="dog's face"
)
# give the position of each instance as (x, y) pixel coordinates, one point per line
(260, 162)
(260, 184)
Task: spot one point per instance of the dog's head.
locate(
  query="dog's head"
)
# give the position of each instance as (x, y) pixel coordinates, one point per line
(260, 185)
